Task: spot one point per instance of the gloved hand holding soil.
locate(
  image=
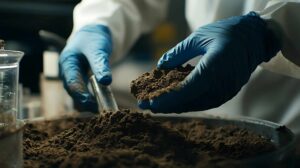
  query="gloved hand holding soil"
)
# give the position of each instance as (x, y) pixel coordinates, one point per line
(158, 81)
(152, 88)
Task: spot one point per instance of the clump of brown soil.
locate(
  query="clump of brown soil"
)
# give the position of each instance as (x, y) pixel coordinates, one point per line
(131, 139)
(158, 81)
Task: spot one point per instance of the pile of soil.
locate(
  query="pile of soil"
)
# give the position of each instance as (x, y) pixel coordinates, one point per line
(131, 139)
(158, 81)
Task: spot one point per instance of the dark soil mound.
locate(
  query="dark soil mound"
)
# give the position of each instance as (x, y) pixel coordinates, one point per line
(131, 139)
(154, 83)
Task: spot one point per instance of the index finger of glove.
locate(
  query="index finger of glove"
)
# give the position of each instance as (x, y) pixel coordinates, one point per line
(73, 73)
(98, 53)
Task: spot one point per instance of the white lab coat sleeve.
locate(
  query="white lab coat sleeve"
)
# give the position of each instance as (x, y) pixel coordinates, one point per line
(126, 19)
(286, 15)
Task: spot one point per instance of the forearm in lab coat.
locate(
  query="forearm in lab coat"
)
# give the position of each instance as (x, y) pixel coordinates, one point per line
(287, 17)
(126, 19)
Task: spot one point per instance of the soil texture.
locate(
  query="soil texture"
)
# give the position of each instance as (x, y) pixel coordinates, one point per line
(132, 139)
(152, 84)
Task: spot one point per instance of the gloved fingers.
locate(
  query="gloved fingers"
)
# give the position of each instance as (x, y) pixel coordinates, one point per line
(144, 104)
(206, 101)
(170, 102)
(74, 78)
(99, 63)
(98, 51)
(161, 104)
(91, 106)
(181, 53)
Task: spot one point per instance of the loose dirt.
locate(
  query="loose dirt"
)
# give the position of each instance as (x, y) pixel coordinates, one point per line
(132, 139)
(158, 81)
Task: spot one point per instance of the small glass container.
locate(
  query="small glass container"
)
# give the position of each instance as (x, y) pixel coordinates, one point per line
(10, 128)
(9, 80)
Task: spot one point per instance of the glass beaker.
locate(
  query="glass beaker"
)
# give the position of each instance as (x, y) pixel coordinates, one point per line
(9, 79)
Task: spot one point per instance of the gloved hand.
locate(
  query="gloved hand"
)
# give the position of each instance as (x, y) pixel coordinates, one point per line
(231, 49)
(90, 48)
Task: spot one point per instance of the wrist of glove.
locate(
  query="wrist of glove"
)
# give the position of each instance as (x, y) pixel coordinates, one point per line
(231, 49)
(89, 49)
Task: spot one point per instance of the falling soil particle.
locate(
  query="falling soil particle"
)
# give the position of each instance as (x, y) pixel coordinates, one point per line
(131, 139)
(158, 81)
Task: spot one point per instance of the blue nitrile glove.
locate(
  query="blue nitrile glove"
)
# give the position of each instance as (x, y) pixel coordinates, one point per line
(231, 49)
(90, 48)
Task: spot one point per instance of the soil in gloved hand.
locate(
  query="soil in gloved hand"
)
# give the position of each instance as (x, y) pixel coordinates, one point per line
(158, 81)
(131, 139)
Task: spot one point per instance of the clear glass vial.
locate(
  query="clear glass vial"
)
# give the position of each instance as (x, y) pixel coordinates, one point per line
(9, 80)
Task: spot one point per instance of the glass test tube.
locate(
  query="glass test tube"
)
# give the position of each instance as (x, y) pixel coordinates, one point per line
(104, 96)
(9, 79)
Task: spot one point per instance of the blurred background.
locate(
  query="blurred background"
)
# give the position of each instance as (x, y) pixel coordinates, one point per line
(38, 27)
(20, 23)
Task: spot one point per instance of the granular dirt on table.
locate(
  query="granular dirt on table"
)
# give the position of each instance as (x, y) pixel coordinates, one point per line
(132, 139)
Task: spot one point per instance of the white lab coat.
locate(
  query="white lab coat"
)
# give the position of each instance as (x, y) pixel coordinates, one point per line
(128, 19)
